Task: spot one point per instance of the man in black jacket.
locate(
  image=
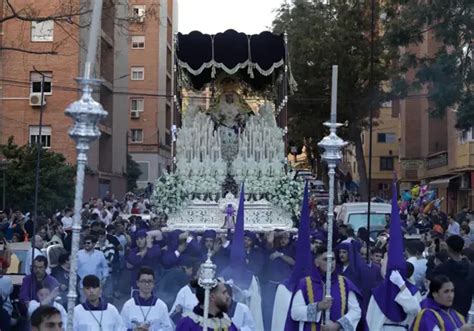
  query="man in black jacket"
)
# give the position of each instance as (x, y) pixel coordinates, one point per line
(460, 272)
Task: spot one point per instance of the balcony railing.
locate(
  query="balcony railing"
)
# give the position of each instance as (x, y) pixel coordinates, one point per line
(437, 160)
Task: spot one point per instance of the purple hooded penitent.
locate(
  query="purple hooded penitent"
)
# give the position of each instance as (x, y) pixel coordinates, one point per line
(237, 269)
(303, 264)
(385, 293)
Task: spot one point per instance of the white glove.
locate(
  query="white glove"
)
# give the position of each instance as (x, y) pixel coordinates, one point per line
(246, 294)
(397, 279)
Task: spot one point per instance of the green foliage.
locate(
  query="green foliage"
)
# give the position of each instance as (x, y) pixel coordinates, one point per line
(133, 173)
(448, 71)
(320, 36)
(56, 178)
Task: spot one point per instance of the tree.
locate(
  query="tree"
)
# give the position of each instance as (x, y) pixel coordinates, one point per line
(56, 178)
(69, 16)
(133, 173)
(449, 72)
(319, 36)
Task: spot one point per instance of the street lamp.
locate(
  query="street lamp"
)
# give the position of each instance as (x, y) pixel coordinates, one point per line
(332, 145)
(87, 113)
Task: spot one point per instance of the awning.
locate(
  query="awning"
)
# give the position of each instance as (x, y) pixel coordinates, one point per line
(256, 57)
(442, 182)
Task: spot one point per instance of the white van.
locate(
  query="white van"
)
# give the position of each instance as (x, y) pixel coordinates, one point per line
(355, 215)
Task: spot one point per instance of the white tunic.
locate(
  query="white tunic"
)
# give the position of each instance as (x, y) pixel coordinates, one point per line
(281, 308)
(186, 299)
(85, 320)
(299, 311)
(156, 316)
(255, 304)
(376, 320)
(33, 305)
(242, 318)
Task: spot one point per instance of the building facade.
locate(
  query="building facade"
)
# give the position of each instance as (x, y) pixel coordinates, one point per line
(151, 86)
(56, 48)
(432, 150)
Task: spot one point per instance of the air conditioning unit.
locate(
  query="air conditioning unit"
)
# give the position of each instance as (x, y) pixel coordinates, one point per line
(139, 14)
(35, 100)
(134, 114)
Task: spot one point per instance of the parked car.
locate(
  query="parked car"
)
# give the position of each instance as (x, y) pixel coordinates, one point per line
(355, 214)
(316, 185)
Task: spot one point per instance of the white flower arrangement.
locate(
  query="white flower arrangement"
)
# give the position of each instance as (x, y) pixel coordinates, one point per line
(287, 193)
(169, 194)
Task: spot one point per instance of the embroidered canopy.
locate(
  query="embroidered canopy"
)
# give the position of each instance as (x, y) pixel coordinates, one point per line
(254, 57)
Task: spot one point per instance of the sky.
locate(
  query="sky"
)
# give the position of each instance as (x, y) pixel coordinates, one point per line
(212, 16)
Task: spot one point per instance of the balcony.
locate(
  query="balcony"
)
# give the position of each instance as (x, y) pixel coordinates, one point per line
(437, 160)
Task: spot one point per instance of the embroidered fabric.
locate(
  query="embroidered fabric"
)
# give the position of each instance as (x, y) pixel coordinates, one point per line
(346, 325)
(312, 312)
(212, 322)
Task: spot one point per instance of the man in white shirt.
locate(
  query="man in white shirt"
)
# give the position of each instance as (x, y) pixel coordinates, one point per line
(67, 220)
(94, 313)
(453, 227)
(414, 250)
(144, 311)
(91, 261)
(39, 244)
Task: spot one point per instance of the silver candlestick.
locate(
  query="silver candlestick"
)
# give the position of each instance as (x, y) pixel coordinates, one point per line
(332, 145)
(87, 113)
(207, 281)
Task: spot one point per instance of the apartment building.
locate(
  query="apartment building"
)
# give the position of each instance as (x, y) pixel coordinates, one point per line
(56, 48)
(151, 86)
(432, 150)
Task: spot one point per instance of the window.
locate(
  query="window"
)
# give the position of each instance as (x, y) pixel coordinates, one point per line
(136, 135)
(144, 167)
(466, 135)
(386, 163)
(42, 31)
(137, 104)
(138, 73)
(138, 13)
(384, 187)
(138, 42)
(45, 135)
(388, 138)
(35, 80)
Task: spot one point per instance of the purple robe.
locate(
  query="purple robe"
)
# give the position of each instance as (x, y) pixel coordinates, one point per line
(151, 259)
(318, 288)
(187, 324)
(430, 314)
(255, 260)
(278, 270)
(372, 279)
(29, 287)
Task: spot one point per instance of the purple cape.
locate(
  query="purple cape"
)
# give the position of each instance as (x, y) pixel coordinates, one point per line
(386, 292)
(318, 287)
(429, 316)
(237, 269)
(303, 264)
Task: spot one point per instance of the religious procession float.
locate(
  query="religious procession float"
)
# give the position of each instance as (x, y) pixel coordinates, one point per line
(231, 96)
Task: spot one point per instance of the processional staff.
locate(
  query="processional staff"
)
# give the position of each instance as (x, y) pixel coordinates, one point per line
(87, 113)
(332, 145)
